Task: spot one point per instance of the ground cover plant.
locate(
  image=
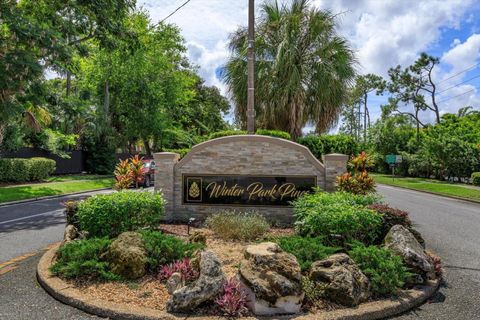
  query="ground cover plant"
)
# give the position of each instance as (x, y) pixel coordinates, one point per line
(233, 225)
(384, 269)
(111, 214)
(339, 217)
(306, 249)
(163, 249)
(81, 260)
(233, 301)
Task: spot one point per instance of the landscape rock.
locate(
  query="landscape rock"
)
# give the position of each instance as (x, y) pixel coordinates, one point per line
(71, 233)
(403, 243)
(206, 288)
(174, 282)
(341, 280)
(127, 255)
(198, 237)
(271, 279)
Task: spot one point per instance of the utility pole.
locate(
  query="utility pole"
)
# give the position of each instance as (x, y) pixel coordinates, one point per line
(251, 68)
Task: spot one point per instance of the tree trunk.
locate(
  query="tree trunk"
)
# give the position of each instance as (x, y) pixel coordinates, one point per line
(69, 83)
(146, 143)
(106, 100)
(365, 111)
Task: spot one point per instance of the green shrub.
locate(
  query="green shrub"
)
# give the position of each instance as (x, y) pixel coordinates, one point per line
(24, 170)
(182, 152)
(384, 269)
(164, 249)
(306, 250)
(111, 214)
(339, 217)
(233, 225)
(81, 260)
(275, 133)
(40, 168)
(476, 178)
(325, 144)
(226, 133)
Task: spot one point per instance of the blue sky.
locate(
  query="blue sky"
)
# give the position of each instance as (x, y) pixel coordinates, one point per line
(384, 33)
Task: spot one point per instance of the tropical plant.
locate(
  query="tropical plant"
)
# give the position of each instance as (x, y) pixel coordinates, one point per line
(303, 68)
(184, 267)
(360, 182)
(123, 175)
(137, 169)
(233, 301)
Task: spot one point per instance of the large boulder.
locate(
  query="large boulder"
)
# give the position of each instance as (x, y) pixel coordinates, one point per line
(341, 280)
(127, 255)
(208, 285)
(403, 243)
(271, 279)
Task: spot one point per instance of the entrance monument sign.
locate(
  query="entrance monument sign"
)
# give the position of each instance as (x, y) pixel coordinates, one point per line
(242, 172)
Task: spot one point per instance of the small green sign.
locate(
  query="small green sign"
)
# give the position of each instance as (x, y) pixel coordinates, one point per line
(391, 158)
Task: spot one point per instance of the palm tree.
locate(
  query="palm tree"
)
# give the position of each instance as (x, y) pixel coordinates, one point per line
(302, 70)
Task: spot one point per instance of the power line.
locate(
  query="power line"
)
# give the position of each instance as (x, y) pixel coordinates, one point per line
(174, 11)
(458, 95)
(460, 72)
(475, 77)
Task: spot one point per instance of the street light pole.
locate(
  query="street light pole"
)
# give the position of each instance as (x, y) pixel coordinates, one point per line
(250, 68)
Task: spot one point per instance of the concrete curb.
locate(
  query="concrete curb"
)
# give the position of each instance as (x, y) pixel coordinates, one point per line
(69, 295)
(4, 204)
(430, 192)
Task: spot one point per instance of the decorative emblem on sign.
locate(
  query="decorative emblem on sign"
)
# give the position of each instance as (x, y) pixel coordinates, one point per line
(194, 190)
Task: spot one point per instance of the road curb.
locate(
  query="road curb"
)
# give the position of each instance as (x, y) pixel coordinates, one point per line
(4, 204)
(66, 293)
(433, 193)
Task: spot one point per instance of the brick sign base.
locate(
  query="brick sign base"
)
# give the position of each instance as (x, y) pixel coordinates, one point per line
(243, 173)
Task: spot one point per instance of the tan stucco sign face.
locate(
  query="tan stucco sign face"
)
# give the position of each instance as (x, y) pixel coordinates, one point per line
(245, 189)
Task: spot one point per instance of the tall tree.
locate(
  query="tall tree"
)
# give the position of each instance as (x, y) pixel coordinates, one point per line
(414, 87)
(302, 69)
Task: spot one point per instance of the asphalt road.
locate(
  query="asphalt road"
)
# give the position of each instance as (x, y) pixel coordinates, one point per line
(450, 227)
(28, 227)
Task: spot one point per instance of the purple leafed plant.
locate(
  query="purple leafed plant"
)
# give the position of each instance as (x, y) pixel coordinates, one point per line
(232, 303)
(184, 267)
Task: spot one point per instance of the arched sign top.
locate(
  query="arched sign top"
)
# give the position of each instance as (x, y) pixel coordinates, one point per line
(253, 139)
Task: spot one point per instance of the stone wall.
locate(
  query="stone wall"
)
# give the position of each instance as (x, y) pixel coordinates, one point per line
(244, 155)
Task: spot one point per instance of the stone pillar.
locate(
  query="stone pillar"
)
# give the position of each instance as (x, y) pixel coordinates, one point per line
(335, 165)
(165, 179)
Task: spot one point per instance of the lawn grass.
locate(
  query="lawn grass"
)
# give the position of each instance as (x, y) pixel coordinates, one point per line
(55, 186)
(439, 187)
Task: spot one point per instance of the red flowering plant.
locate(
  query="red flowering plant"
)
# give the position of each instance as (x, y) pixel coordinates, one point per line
(183, 267)
(358, 181)
(233, 301)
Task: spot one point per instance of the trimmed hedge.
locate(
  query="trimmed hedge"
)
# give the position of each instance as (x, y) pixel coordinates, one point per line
(339, 217)
(226, 133)
(476, 178)
(24, 170)
(325, 144)
(108, 215)
(182, 152)
(275, 133)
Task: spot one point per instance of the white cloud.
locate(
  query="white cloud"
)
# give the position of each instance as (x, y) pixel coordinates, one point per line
(383, 33)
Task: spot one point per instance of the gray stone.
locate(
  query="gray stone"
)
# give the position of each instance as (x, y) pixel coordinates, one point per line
(403, 243)
(127, 255)
(174, 282)
(341, 280)
(208, 285)
(71, 233)
(271, 279)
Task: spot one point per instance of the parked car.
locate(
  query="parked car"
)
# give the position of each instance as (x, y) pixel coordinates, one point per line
(149, 176)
